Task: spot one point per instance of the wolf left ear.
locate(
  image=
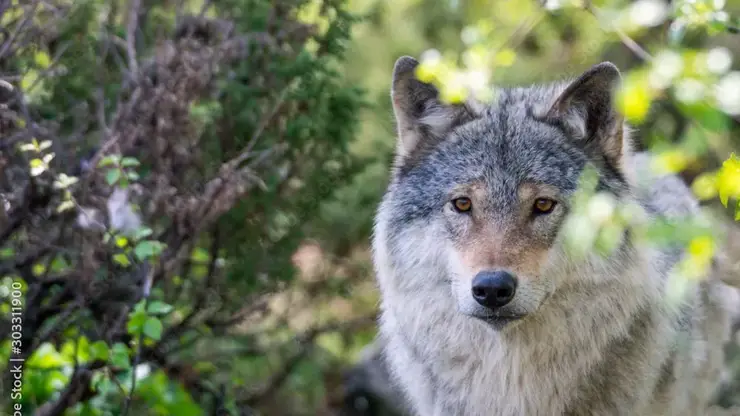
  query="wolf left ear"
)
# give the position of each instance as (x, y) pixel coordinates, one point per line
(422, 118)
(585, 110)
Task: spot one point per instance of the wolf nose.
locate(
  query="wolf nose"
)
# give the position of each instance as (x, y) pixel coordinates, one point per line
(494, 289)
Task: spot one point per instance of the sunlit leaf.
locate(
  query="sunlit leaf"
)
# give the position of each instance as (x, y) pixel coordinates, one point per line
(46, 356)
(121, 259)
(158, 307)
(728, 180)
(37, 167)
(42, 59)
(634, 98)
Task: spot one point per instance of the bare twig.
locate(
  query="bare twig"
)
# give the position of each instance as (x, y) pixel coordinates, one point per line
(131, 28)
(633, 46)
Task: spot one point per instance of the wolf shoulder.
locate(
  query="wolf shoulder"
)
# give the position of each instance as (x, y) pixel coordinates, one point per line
(665, 194)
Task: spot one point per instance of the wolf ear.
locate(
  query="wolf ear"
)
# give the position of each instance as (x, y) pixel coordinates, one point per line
(420, 115)
(585, 109)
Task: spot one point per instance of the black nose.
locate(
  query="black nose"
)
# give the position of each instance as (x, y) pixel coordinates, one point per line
(494, 289)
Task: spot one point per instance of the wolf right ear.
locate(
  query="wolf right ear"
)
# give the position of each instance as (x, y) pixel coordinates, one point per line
(586, 110)
(420, 115)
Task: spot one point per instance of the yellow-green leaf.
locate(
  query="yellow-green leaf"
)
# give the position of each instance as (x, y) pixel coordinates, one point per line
(28, 80)
(121, 259)
(728, 179)
(705, 186)
(65, 206)
(42, 59)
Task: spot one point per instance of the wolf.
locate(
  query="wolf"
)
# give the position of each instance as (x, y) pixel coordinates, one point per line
(484, 311)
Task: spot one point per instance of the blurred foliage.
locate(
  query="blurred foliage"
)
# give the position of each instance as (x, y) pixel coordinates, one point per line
(162, 164)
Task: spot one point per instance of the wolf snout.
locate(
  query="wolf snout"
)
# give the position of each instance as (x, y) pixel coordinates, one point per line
(494, 289)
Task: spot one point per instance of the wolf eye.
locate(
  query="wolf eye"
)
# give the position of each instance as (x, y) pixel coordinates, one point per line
(462, 204)
(544, 206)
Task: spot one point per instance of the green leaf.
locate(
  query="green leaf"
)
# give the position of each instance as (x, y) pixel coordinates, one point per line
(136, 321)
(119, 356)
(99, 351)
(113, 176)
(122, 259)
(82, 348)
(129, 162)
(7, 252)
(98, 380)
(153, 328)
(147, 249)
(139, 307)
(142, 233)
(59, 264)
(159, 307)
(108, 161)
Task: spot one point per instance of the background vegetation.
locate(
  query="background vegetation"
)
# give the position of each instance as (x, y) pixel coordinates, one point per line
(187, 187)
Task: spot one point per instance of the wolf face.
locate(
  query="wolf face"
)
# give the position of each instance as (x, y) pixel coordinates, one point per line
(481, 192)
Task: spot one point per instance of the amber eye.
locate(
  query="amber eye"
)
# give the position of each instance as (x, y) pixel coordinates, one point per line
(462, 204)
(543, 206)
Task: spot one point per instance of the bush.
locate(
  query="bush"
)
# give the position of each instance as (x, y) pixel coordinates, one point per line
(161, 164)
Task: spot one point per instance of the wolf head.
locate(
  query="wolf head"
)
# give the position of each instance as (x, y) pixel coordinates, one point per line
(479, 193)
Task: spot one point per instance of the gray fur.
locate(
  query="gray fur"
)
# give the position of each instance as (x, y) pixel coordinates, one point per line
(597, 337)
